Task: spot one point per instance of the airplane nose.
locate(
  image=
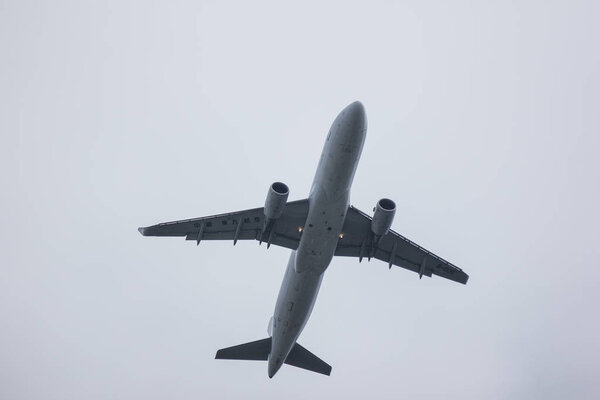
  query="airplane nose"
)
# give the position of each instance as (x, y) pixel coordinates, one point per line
(355, 116)
(356, 107)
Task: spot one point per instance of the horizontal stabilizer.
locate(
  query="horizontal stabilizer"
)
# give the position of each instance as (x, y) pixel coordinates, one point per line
(302, 358)
(258, 350)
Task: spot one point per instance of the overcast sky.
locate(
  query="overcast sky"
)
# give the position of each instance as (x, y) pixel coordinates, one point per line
(484, 127)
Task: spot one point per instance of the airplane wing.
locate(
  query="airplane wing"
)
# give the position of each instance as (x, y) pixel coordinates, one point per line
(393, 248)
(240, 225)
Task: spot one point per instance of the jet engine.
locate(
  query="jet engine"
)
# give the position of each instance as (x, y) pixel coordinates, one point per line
(276, 200)
(382, 218)
(274, 206)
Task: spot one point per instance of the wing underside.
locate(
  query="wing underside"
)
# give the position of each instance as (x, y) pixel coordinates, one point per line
(393, 249)
(357, 240)
(240, 225)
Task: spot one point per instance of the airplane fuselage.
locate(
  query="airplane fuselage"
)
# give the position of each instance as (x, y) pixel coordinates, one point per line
(328, 203)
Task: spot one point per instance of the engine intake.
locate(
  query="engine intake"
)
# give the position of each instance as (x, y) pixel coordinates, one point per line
(276, 200)
(382, 218)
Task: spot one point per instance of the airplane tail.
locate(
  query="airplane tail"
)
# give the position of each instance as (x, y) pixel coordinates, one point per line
(259, 350)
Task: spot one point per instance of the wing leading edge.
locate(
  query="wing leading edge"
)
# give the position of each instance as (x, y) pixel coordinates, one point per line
(392, 248)
(240, 225)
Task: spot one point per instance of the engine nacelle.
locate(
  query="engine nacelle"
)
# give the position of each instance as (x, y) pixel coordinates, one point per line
(276, 200)
(383, 217)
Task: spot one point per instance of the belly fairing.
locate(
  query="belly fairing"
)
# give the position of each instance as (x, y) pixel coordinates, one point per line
(321, 231)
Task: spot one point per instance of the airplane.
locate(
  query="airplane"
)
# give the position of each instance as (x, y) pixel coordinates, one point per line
(316, 229)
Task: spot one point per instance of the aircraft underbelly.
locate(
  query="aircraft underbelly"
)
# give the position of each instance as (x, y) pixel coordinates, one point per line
(328, 203)
(330, 194)
(294, 305)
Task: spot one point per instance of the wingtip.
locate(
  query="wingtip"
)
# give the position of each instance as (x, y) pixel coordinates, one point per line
(142, 231)
(219, 355)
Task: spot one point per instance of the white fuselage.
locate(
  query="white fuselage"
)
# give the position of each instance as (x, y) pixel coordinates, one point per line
(328, 202)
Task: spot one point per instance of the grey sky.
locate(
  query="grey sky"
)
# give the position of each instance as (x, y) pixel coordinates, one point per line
(483, 127)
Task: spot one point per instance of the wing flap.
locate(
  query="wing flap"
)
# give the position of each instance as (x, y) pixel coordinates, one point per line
(246, 234)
